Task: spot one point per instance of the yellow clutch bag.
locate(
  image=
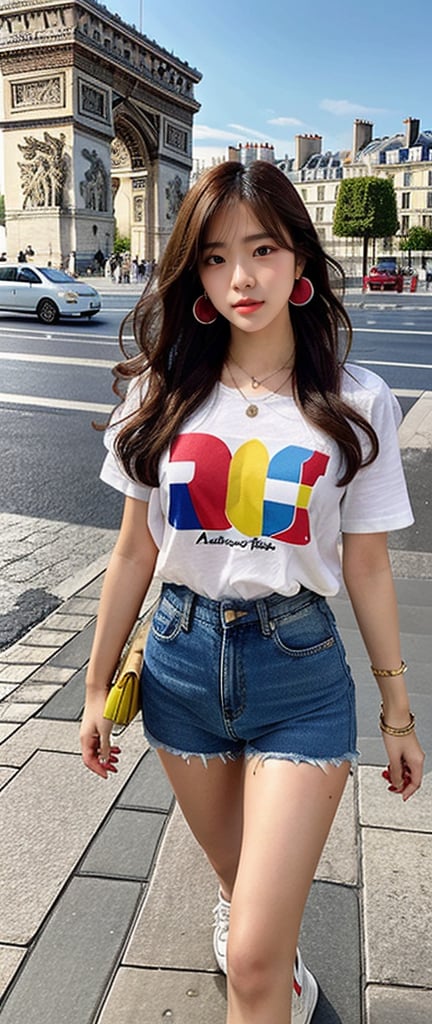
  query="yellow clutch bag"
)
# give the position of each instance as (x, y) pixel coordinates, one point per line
(123, 701)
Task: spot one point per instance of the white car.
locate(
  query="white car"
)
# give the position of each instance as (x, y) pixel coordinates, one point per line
(50, 293)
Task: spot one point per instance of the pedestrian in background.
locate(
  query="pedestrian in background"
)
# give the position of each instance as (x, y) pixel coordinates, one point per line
(428, 274)
(245, 445)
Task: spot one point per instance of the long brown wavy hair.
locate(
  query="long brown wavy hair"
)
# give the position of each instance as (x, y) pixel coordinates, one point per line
(182, 360)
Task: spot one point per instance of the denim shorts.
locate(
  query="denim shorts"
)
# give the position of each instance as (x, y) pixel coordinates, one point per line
(266, 678)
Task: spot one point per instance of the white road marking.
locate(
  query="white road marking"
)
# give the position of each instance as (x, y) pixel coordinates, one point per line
(407, 392)
(40, 336)
(55, 403)
(65, 403)
(381, 330)
(383, 362)
(33, 357)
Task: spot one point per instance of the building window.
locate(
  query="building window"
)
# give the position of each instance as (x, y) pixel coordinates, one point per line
(406, 196)
(427, 222)
(429, 177)
(319, 216)
(429, 201)
(304, 194)
(321, 193)
(407, 179)
(404, 225)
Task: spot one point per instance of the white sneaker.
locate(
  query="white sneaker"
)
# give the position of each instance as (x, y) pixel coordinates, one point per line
(305, 987)
(305, 994)
(221, 914)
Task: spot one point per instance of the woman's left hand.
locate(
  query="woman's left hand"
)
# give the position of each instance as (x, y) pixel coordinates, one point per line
(404, 771)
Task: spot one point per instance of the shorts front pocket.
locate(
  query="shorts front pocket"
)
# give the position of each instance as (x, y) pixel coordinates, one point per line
(166, 622)
(304, 634)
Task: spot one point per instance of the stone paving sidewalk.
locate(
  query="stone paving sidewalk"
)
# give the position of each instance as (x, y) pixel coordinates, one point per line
(98, 917)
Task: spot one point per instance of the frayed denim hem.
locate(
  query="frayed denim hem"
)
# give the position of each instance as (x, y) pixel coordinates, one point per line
(316, 762)
(187, 756)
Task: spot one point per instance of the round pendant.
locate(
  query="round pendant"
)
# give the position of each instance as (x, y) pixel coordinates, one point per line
(252, 410)
(255, 383)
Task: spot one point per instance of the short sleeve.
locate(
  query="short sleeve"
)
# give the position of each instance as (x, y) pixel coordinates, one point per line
(377, 498)
(113, 472)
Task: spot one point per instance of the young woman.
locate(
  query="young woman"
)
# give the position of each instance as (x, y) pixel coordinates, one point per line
(245, 447)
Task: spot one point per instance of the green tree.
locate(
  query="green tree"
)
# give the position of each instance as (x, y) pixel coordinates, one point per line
(365, 208)
(417, 239)
(121, 242)
(2, 210)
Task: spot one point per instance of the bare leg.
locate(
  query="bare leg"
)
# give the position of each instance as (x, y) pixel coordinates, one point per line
(211, 799)
(288, 811)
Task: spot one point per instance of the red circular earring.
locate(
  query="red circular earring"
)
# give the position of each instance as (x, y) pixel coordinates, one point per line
(204, 310)
(302, 292)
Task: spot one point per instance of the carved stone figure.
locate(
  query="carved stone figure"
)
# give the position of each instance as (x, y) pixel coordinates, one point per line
(120, 156)
(138, 209)
(43, 174)
(174, 195)
(94, 188)
(43, 92)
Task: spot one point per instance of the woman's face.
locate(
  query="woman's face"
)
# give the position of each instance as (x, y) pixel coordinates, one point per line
(245, 272)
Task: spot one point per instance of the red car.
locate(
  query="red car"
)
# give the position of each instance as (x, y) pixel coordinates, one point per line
(384, 276)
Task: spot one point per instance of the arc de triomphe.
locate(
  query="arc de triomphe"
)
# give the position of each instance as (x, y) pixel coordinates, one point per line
(94, 114)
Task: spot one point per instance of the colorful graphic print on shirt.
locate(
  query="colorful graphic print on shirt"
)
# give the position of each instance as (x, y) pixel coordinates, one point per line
(212, 488)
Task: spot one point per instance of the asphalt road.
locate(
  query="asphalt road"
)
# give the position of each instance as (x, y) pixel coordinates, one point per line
(56, 381)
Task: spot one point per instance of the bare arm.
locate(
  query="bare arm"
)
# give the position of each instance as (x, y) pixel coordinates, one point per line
(369, 582)
(126, 582)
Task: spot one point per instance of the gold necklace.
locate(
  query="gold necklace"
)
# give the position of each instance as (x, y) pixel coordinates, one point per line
(255, 383)
(252, 409)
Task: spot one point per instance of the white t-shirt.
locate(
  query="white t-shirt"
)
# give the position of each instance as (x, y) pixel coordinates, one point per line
(246, 507)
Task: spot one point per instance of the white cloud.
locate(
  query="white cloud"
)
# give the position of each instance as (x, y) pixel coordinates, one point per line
(343, 108)
(206, 155)
(204, 133)
(251, 134)
(210, 142)
(294, 121)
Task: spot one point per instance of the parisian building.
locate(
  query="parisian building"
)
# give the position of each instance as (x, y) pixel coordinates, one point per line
(406, 158)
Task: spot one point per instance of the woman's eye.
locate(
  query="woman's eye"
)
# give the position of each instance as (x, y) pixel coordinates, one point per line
(264, 250)
(215, 260)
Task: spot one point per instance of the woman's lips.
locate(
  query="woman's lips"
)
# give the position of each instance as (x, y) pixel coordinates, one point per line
(249, 306)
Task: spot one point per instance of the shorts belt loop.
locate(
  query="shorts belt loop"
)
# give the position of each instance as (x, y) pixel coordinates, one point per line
(189, 601)
(263, 615)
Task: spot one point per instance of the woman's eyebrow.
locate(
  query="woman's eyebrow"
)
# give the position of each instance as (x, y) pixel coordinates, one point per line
(247, 238)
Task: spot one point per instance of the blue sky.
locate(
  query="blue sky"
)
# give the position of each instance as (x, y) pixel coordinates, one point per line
(273, 69)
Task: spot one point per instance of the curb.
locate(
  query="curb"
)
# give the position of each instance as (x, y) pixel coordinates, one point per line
(73, 584)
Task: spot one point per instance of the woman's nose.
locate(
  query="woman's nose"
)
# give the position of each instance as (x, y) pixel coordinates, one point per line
(242, 276)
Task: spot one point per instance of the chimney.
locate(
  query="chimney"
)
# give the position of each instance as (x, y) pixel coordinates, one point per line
(362, 135)
(306, 146)
(412, 128)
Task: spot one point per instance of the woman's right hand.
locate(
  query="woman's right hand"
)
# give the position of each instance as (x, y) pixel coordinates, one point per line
(95, 735)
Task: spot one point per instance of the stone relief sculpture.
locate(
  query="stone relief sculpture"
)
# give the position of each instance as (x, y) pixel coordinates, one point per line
(42, 92)
(43, 174)
(138, 209)
(120, 156)
(94, 188)
(174, 195)
(93, 101)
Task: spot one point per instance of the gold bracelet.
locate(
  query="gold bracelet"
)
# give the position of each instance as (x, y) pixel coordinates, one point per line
(391, 731)
(384, 672)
